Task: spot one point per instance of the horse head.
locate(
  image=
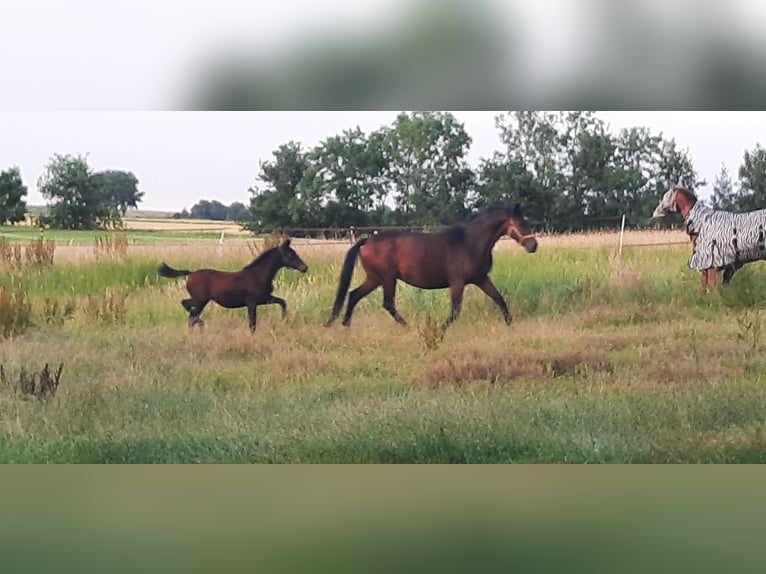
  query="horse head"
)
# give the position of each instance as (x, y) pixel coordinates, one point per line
(290, 258)
(675, 199)
(520, 230)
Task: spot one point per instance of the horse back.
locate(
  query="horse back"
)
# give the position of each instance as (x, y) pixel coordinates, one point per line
(425, 260)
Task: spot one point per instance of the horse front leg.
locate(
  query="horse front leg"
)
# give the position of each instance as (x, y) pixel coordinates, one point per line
(456, 293)
(712, 277)
(278, 301)
(489, 288)
(709, 278)
(251, 314)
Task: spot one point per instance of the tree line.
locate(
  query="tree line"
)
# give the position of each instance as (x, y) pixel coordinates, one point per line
(568, 170)
(78, 197)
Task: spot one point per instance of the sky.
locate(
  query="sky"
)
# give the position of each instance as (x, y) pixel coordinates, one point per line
(180, 158)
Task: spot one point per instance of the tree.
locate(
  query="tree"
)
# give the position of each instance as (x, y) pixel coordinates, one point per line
(12, 192)
(238, 211)
(575, 174)
(282, 203)
(427, 167)
(504, 182)
(752, 177)
(723, 191)
(119, 190)
(346, 176)
(214, 210)
(74, 194)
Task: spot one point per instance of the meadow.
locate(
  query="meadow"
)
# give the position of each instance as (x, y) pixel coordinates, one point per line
(609, 360)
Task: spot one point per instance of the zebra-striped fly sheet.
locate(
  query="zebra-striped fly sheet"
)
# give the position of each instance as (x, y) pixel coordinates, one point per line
(725, 238)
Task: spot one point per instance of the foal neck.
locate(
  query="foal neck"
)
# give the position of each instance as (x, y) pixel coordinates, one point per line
(270, 261)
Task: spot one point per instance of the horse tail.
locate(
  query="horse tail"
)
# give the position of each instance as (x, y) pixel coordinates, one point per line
(345, 278)
(166, 270)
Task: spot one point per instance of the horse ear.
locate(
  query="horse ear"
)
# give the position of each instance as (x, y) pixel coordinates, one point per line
(517, 210)
(286, 242)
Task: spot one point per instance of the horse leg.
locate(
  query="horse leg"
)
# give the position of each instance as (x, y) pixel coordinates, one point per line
(389, 301)
(703, 280)
(278, 301)
(729, 272)
(712, 277)
(456, 293)
(489, 288)
(251, 315)
(195, 310)
(357, 295)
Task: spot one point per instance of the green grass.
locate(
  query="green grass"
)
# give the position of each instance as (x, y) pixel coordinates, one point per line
(606, 362)
(135, 237)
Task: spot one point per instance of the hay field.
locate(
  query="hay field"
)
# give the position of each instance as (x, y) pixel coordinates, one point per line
(608, 360)
(186, 225)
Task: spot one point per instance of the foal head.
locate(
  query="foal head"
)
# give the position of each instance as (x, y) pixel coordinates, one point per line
(677, 199)
(290, 258)
(520, 230)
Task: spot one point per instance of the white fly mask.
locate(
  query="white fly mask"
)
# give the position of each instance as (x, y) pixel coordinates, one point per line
(667, 205)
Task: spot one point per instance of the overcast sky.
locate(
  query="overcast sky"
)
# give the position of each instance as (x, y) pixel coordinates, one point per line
(182, 157)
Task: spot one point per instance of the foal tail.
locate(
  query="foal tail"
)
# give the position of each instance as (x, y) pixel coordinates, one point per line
(166, 270)
(345, 279)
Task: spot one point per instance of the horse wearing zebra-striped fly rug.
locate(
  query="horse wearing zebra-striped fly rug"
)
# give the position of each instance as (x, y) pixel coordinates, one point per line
(722, 240)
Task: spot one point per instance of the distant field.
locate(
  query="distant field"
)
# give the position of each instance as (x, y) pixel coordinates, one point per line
(157, 224)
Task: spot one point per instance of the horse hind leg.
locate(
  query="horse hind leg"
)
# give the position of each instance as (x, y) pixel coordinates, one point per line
(389, 301)
(729, 271)
(195, 310)
(357, 295)
(456, 293)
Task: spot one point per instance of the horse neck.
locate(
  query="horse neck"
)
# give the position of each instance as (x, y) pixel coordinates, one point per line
(485, 234)
(685, 202)
(270, 262)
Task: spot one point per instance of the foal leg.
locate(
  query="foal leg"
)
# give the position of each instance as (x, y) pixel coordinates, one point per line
(456, 293)
(489, 288)
(278, 301)
(357, 295)
(389, 301)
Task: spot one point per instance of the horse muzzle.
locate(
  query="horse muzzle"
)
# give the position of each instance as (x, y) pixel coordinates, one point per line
(302, 268)
(659, 212)
(530, 244)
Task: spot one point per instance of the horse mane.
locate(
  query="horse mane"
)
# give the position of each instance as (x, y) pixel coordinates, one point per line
(687, 192)
(456, 232)
(260, 258)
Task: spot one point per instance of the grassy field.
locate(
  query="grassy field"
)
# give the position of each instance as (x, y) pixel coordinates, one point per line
(608, 360)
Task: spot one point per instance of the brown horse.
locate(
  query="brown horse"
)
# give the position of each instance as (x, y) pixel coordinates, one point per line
(683, 201)
(250, 287)
(458, 256)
